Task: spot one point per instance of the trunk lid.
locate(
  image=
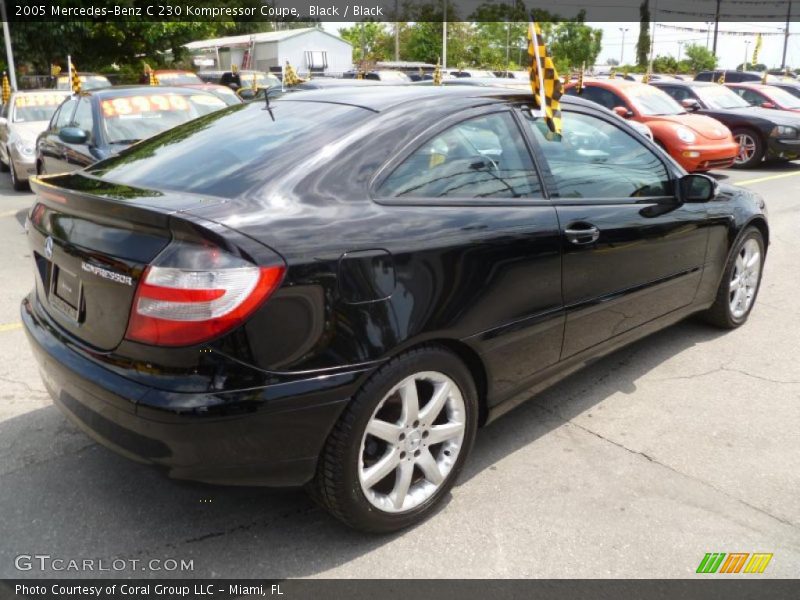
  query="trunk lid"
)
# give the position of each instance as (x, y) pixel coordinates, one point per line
(91, 241)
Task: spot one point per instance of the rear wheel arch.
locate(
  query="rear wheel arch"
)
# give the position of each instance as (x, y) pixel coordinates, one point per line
(761, 224)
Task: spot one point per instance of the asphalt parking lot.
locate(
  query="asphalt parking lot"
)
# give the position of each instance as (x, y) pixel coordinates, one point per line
(685, 443)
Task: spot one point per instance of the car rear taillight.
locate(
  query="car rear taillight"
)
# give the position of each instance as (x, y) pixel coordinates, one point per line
(182, 306)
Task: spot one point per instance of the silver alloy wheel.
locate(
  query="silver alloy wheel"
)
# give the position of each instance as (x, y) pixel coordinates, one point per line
(412, 441)
(744, 279)
(747, 147)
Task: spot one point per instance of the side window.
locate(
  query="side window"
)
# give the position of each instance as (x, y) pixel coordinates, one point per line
(83, 116)
(65, 114)
(484, 157)
(596, 159)
(602, 97)
(752, 97)
(677, 93)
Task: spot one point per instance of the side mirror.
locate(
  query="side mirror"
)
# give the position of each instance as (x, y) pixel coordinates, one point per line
(697, 187)
(768, 105)
(690, 104)
(73, 135)
(623, 111)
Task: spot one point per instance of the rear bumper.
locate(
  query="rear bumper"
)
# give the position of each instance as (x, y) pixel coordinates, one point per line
(705, 157)
(268, 436)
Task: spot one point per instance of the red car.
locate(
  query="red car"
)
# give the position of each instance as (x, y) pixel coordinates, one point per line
(696, 142)
(766, 96)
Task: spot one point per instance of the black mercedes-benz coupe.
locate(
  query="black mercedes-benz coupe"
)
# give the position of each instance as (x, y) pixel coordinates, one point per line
(338, 288)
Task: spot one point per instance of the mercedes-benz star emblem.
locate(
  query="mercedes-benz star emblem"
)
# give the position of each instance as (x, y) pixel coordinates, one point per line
(48, 247)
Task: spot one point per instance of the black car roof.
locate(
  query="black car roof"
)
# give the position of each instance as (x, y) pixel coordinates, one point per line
(380, 98)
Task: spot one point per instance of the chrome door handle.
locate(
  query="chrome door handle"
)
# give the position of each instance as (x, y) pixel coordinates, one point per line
(586, 235)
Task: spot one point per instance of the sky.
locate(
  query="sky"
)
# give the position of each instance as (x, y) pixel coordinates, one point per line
(730, 49)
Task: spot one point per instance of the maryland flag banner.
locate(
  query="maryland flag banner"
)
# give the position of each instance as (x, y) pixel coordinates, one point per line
(721, 79)
(6, 88)
(764, 78)
(646, 77)
(437, 74)
(545, 84)
(757, 49)
(290, 77)
(76, 79)
(234, 68)
(567, 78)
(254, 83)
(612, 73)
(55, 70)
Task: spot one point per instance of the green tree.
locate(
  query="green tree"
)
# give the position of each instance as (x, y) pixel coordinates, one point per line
(371, 41)
(643, 43)
(665, 64)
(573, 43)
(700, 58)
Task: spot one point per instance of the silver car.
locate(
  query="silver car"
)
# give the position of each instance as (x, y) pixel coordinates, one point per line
(23, 118)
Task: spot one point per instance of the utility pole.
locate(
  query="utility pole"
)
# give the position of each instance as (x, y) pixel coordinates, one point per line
(716, 28)
(746, 46)
(680, 50)
(396, 34)
(444, 35)
(708, 32)
(12, 73)
(786, 34)
(622, 48)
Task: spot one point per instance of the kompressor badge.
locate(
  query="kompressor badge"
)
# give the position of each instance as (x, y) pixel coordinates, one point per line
(106, 274)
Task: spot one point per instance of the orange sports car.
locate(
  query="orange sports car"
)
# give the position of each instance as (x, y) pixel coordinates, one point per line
(696, 142)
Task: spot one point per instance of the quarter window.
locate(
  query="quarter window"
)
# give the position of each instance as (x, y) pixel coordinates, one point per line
(484, 157)
(596, 159)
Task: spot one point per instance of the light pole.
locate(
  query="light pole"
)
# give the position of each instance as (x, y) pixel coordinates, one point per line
(622, 48)
(680, 50)
(12, 73)
(708, 32)
(746, 46)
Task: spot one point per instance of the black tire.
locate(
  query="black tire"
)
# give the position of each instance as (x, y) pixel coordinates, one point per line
(758, 154)
(336, 486)
(720, 313)
(18, 185)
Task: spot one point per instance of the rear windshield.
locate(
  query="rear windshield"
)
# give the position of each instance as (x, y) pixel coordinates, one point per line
(88, 82)
(229, 152)
(177, 78)
(36, 107)
(128, 119)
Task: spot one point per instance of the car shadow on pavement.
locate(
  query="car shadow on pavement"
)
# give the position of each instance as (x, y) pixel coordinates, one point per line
(65, 496)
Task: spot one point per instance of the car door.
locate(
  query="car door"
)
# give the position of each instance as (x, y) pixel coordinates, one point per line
(491, 269)
(631, 251)
(52, 150)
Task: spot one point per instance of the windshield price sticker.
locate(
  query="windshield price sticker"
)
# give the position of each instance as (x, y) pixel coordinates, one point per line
(135, 105)
(38, 100)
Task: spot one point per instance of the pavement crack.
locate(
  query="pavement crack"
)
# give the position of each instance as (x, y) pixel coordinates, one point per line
(670, 468)
(733, 370)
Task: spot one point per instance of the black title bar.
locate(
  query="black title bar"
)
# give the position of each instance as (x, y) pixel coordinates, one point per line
(776, 11)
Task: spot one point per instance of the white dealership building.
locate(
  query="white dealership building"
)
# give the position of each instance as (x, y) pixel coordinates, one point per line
(308, 50)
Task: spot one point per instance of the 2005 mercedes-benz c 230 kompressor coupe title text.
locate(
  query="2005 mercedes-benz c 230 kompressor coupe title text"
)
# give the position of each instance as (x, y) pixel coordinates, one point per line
(338, 288)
